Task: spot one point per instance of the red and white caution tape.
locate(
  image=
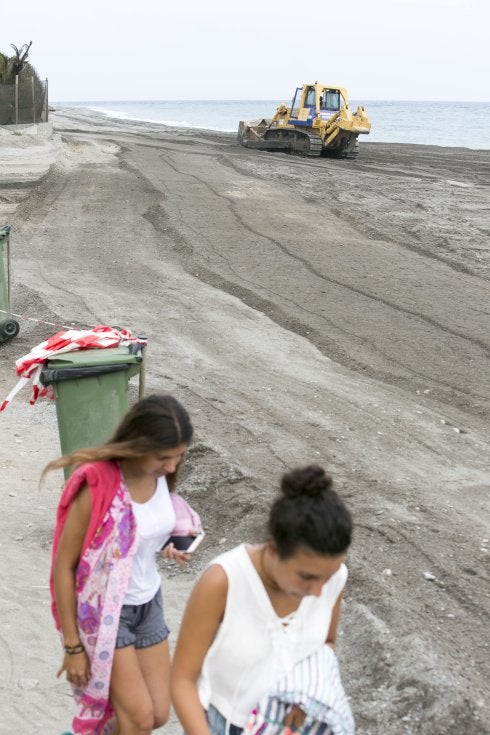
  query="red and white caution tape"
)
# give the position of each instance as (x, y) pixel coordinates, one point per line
(29, 367)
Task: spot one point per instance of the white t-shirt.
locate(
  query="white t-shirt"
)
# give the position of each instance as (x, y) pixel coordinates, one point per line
(254, 647)
(155, 521)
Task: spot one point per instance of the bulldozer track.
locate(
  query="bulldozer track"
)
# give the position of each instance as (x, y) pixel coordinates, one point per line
(354, 151)
(300, 143)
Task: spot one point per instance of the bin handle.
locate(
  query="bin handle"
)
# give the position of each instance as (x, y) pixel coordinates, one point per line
(55, 375)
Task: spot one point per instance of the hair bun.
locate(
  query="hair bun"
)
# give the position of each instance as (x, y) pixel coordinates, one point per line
(311, 480)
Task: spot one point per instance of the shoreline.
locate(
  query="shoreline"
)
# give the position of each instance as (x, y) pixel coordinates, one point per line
(303, 311)
(405, 129)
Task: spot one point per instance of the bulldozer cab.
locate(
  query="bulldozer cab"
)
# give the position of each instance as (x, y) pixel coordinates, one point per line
(303, 107)
(312, 100)
(296, 103)
(330, 100)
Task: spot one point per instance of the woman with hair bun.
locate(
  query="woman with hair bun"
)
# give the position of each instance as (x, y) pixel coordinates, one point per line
(259, 610)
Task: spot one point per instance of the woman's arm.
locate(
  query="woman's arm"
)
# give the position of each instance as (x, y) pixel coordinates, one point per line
(77, 666)
(202, 618)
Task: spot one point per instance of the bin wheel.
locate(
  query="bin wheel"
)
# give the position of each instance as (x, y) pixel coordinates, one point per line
(9, 329)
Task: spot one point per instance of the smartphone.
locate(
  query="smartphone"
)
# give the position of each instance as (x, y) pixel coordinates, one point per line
(195, 543)
(185, 543)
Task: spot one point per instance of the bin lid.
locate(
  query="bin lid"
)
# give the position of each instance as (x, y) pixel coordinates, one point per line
(86, 358)
(4, 232)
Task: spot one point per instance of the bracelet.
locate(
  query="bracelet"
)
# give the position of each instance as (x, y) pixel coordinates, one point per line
(72, 650)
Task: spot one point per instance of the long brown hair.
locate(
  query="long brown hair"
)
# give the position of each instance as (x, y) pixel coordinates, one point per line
(156, 422)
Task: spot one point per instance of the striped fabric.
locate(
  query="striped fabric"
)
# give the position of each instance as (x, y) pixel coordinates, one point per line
(314, 685)
(29, 367)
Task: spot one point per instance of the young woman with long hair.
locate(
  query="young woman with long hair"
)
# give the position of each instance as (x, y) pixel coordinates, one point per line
(114, 515)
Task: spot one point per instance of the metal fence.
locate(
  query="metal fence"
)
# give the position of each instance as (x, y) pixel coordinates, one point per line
(25, 101)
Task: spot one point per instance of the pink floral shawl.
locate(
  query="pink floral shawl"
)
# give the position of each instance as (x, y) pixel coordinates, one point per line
(102, 579)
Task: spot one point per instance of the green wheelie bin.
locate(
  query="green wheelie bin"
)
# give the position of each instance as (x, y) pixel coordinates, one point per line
(9, 328)
(91, 390)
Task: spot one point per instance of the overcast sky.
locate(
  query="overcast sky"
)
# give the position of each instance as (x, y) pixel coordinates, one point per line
(217, 49)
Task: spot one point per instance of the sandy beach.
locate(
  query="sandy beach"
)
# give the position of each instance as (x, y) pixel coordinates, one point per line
(303, 310)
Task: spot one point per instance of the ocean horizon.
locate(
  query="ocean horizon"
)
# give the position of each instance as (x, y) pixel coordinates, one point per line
(452, 124)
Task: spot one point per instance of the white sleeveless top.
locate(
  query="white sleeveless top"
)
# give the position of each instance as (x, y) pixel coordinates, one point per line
(155, 521)
(253, 647)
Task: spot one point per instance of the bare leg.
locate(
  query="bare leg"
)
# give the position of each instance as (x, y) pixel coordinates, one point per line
(139, 689)
(155, 667)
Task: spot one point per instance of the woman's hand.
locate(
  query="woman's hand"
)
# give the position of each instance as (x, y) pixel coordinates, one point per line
(294, 719)
(170, 552)
(77, 667)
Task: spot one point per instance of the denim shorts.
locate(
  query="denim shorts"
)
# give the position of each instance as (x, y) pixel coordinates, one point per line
(218, 725)
(142, 625)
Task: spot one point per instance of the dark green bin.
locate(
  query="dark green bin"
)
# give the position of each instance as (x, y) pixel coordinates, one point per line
(9, 328)
(91, 389)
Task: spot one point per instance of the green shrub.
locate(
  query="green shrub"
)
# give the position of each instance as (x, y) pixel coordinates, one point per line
(10, 66)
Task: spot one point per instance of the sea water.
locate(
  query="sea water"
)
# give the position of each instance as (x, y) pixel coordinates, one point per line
(462, 124)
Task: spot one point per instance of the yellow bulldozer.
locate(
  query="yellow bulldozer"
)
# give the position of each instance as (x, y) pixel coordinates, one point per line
(319, 122)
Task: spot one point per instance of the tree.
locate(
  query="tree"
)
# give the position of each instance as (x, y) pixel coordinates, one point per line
(13, 67)
(19, 61)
